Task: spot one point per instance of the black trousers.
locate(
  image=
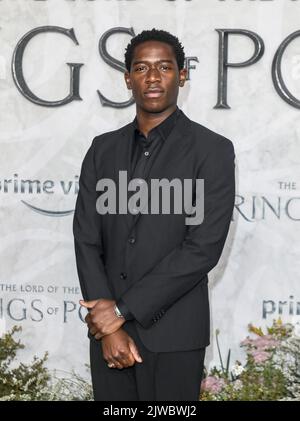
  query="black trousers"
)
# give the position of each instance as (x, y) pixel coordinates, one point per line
(162, 376)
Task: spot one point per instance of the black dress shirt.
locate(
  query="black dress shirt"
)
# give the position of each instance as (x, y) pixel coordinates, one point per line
(144, 151)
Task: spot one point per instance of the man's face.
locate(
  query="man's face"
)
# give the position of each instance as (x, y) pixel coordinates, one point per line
(154, 76)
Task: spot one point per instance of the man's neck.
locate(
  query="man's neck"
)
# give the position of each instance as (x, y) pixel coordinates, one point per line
(147, 121)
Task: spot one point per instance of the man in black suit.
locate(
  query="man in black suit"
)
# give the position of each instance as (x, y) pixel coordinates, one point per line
(143, 275)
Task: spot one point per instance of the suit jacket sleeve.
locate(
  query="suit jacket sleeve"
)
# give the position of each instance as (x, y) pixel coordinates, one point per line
(124, 310)
(87, 234)
(187, 264)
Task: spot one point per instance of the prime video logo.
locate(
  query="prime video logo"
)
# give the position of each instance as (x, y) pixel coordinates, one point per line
(281, 308)
(139, 193)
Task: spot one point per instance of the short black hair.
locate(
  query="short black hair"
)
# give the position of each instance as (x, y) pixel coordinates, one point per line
(155, 35)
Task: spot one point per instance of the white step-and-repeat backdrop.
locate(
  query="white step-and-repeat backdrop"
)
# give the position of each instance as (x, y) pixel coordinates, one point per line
(61, 83)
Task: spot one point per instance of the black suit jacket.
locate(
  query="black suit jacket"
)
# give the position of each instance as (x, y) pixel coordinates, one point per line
(162, 275)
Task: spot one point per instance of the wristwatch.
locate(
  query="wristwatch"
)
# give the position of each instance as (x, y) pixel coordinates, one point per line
(117, 311)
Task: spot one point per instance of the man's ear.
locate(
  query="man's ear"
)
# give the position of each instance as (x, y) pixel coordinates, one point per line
(127, 80)
(182, 77)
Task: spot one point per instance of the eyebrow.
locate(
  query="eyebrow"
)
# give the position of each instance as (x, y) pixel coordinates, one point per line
(145, 61)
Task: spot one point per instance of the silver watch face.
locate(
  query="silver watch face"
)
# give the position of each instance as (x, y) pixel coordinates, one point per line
(117, 311)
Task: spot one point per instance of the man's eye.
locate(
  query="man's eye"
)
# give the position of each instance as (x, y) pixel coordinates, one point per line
(140, 68)
(165, 67)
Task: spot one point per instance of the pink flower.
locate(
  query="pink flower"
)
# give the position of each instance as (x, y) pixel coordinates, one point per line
(212, 384)
(265, 342)
(259, 356)
(262, 343)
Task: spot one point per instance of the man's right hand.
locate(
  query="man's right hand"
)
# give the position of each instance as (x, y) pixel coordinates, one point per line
(119, 349)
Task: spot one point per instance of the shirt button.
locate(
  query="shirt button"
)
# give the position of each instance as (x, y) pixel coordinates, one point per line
(147, 153)
(131, 240)
(123, 275)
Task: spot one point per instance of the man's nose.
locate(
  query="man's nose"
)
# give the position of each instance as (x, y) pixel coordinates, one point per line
(153, 74)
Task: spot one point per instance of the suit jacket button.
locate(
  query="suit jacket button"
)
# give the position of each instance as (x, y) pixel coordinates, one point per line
(123, 275)
(131, 240)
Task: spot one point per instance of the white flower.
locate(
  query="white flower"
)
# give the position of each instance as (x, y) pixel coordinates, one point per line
(237, 370)
(237, 384)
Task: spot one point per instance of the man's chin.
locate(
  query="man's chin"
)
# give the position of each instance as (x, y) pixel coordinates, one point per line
(154, 107)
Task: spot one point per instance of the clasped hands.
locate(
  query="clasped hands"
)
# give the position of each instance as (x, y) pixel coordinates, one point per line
(101, 319)
(118, 348)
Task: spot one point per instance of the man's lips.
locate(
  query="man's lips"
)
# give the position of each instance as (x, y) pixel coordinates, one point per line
(153, 93)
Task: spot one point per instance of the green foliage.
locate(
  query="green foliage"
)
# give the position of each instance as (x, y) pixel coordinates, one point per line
(22, 381)
(271, 371)
(71, 388)
(34, 381)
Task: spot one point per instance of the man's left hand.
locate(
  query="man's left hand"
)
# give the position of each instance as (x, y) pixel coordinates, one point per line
(102, 319)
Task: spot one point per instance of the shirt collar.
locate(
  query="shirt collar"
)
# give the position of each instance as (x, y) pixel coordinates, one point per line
(164, 127)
